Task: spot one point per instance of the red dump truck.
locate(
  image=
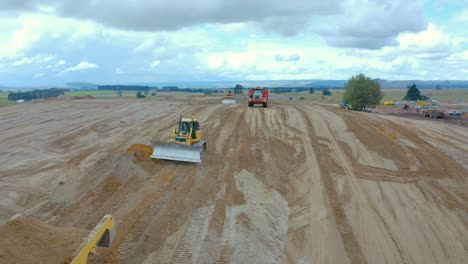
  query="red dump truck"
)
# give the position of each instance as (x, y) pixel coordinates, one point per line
(258, 96)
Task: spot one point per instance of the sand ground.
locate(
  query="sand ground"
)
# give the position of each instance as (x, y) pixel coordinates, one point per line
(297, 182)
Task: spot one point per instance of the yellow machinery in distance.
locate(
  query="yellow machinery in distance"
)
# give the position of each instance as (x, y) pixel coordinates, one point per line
(101, 236)
(432, 113)
(228, 97)
(229, 93)
(186, 144)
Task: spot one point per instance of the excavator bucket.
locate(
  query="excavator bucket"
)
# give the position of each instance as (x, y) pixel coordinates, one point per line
(228, 100)
(179, 152)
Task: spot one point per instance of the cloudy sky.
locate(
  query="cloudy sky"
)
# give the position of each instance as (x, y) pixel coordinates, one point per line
(51, 42)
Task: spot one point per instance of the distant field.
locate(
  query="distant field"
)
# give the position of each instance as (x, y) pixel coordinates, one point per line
(4, 99)
(389, 94)
(101, 94)
(439, 95)
(336, 97)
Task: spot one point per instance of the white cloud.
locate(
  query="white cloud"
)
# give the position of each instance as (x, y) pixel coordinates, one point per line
(386, 39)
(351, 23)
(432, 43)
(119, 71)
(149, 15)
(214, 61)
(38, 59)
(155, 64)
(19, 34)
(462, 16)
(371, 24)
(38, 75)
(292, 57)
(57, 64)
(82, 66)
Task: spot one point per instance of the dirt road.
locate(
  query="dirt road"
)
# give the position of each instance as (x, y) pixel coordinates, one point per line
(293, 183)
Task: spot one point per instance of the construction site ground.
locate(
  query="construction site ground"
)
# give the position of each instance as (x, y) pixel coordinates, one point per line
(297, 182)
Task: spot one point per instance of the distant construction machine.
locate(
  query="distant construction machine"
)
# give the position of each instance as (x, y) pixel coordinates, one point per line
(258, 95)
(432, 113)
(186, 144)
(228, 97)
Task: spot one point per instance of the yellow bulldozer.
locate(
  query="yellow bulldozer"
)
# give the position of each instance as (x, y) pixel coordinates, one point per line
(186, 144)
(432, 113)
(228, 97)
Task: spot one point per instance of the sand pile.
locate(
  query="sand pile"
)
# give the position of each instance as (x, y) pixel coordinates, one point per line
(26, 240)
(139, 150)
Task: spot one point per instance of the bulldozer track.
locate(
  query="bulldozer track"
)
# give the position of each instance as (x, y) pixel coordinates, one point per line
(130, 242)
(193, 234)
(223, 251)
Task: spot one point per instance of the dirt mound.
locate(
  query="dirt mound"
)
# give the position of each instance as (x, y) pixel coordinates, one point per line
(140, 150)
(26, 240)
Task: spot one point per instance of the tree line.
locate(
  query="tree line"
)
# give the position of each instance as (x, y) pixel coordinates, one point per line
(36, 94)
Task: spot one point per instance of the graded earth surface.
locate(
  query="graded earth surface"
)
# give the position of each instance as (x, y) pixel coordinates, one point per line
(297, 182)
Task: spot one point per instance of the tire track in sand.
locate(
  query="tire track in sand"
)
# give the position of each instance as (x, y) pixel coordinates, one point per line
(322, 241)
(364, 204)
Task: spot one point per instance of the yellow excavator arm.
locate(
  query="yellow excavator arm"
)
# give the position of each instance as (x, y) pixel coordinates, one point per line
(99, 237)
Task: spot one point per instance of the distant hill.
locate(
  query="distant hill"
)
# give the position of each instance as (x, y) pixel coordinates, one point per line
(82, 85)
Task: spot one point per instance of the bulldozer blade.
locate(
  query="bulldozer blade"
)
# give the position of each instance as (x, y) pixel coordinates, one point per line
(228, 101)
(178, 152)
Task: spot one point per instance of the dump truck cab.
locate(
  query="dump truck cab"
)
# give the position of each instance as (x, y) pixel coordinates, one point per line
(258, 95)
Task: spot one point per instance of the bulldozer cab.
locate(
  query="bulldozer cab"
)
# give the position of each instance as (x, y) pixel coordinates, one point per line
(187, 127)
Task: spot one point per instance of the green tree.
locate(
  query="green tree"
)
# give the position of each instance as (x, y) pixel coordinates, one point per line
(238, 89)
(326, 92)
(413, 94)
(361, 92)
(140, 95)
(311, 90)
